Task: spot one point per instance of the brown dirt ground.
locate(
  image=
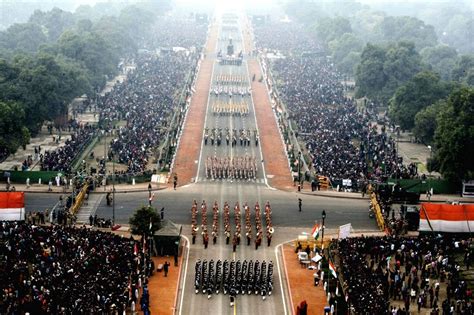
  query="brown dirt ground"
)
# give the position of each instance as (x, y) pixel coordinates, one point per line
(163, 290)
(301, 284)
(188, 153)
(273, 150)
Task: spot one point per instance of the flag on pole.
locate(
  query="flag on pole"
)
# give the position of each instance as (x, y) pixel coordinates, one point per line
(332, 269)
(316, 231)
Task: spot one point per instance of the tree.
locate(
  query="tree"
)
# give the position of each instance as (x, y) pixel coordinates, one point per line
(328, 29)
(92, 51)
(55, 22)
(454, 136)
(341, 47)
(349, 63)
(25, 37)
(423, 90)
(116, 34)
(425, 122)
(458, 33)
(463, 71)
(14, 133)
(402, 62)
(441, 58)
(406, 28)
(140, 221)
(370, 75)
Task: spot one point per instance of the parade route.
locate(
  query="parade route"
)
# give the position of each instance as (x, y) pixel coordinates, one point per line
(189, 145)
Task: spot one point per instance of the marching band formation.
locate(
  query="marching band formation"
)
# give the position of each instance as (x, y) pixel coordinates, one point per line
(223, 79)
(230, 108)
(232, 137)
(237, 167)
(237, 235)
(234, 277)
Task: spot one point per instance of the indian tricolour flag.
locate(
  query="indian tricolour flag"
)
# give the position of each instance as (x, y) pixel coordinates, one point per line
(332, 269)
(316, 231)
(12, 206)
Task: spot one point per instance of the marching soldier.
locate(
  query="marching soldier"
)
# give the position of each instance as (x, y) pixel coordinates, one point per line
(258, 240)
(198, 276)
(234, 243)
(205, 239)
(194, 226)
(269, 236)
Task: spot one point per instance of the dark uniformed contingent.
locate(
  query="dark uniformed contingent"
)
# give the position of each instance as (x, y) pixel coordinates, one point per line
(237, 233)
(237, 167)
(215, 136)
(234, 277)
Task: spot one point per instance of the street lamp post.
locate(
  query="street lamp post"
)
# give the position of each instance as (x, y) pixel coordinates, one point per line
(299, 167)
(149, 195)
(323, 216)
(113, 190)
(430, 164)
(105, 159)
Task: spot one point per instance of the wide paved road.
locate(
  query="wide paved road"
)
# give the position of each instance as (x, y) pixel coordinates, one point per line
(222, 99)
(178, 204)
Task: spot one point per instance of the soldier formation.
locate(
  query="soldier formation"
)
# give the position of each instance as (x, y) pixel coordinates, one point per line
(237, 167)
(239, 108)
(237, 234)
(215, 136)
(234, 277)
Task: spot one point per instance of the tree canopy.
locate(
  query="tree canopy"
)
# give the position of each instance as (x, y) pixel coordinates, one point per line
(383, 69)
(441, 59)
(406, 28)
(141, 219)
(57, 56)
(423, 90)
(454, 136)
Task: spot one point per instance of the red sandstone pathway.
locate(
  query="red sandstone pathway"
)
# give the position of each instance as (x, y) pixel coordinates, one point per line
(301, 284)
(164, 290)
(190, 144)
(273, 150)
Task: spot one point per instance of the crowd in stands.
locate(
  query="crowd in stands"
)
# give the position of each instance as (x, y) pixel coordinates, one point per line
(146, 101)
(64, 270)
(341, 139)
(63, 157)
(287, 38)
(377, 270)
(179, 32)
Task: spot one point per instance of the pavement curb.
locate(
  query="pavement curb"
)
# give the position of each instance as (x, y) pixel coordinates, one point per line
(175, 304)
(124, 191)
(291, 310)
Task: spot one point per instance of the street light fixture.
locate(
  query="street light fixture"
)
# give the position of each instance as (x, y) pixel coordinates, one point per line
(323, 216)
(430, 164)
(149, 195)
(299, 167)
(113, 189)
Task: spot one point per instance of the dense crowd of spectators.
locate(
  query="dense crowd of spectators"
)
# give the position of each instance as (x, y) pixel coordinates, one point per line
(62, 158)
(285, 37)
(377, 270)
(339, 136)
(146, 101)
(174, 31)
(65, 270)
